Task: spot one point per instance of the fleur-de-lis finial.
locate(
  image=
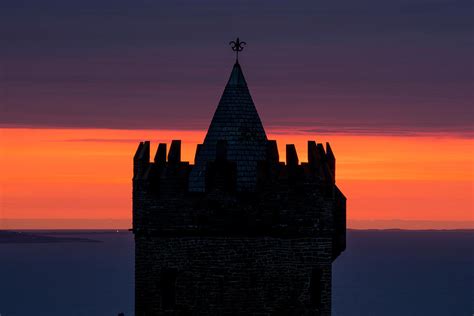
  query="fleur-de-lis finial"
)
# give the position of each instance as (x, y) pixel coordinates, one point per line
(237, 46)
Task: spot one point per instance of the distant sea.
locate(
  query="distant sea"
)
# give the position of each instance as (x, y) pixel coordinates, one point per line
(402, 273)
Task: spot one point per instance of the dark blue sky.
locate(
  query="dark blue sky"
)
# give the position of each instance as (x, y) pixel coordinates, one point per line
(368, 66)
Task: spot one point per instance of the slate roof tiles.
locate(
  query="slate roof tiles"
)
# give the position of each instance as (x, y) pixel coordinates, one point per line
(236, 120)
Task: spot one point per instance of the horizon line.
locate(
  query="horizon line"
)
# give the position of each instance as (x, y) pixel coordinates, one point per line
(126, 224)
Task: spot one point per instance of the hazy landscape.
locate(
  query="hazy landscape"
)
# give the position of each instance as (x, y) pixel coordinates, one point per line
(381, 273)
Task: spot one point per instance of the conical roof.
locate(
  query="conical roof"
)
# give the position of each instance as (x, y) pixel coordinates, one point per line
(236, 121)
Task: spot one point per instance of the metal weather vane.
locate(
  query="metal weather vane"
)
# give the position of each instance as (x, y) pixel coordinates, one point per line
(237, 46)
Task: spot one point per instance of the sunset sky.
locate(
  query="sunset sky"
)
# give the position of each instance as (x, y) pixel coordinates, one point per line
(388, 83)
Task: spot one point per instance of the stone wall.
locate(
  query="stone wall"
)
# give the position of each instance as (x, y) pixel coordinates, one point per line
(232, 276)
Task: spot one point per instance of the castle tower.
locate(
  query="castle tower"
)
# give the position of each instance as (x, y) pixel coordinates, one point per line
(238, 232)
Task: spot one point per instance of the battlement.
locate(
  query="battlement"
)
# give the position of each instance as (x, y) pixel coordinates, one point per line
(321, 165)
(290, 198)
(144, 169)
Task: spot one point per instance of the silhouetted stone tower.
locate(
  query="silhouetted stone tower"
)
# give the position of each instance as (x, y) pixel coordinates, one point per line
(239, 232)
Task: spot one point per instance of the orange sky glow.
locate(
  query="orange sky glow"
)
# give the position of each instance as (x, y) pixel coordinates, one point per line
(81, 178)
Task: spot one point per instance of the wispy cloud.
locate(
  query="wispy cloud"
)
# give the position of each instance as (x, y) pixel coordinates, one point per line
(104, 140)
(466, 133)
(164, 65)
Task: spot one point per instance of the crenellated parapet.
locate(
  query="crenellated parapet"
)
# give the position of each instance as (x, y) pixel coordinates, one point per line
(163, 168)
(290, 198)
(319, 169)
